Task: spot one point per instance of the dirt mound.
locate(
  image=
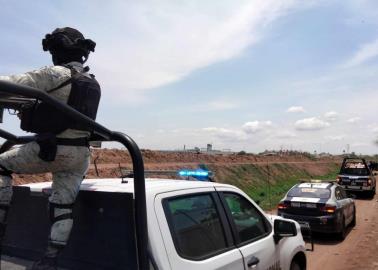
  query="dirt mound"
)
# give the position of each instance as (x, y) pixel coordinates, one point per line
(109, 161)
(122, 156)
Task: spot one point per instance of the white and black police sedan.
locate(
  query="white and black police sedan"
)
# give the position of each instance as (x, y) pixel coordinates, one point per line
(323, 205)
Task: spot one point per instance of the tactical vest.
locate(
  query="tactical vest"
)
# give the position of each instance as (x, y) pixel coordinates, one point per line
(39, 117)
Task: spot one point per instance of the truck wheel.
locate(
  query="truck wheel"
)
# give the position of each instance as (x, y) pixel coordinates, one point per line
(372, 193)
(342, 234)
(295, 265)
(353, 223)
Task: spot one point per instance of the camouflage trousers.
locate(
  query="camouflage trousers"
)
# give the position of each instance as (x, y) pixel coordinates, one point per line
(68, 170)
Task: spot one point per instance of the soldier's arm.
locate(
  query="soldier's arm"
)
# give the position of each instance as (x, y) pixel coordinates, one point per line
(44, 79)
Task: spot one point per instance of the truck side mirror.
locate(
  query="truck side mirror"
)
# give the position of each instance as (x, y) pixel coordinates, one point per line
(283, 228)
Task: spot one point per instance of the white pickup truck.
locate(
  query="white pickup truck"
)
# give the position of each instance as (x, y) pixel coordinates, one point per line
(167, 225)
(191, 225)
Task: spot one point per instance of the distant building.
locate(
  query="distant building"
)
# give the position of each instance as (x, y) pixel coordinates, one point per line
(208, 150)
(209, 147)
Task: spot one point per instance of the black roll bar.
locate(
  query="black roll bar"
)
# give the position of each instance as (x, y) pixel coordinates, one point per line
(100, 133)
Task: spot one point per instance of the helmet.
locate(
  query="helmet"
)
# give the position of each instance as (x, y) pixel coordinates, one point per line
(68, 40)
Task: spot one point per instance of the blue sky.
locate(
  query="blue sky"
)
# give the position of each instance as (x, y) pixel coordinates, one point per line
(244, 75)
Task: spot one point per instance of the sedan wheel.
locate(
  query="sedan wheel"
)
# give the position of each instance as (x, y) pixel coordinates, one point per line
(343, 231)
(353, 223)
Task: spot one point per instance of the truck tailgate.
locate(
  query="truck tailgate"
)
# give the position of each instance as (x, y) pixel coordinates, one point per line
(103, 236)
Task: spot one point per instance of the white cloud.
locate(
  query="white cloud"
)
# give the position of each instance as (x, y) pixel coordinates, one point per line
(373, 128)
(365, 53)
(225, 134)
(256, 126)
(239, 134)
(285, 134)
(362, 11)
(221, 105)
(312, 123)
(359, 144)
(331, 116)
(163, 42)
(216, 105)
(354, 120)
(296, 109)
(335, 137)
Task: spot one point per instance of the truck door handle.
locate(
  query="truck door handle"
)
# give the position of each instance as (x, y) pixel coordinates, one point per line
(253, 262)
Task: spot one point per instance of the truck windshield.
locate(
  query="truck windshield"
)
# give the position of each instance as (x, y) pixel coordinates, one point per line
(355, 168)
(322, 193)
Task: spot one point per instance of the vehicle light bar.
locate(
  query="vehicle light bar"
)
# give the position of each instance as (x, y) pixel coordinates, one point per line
(193, 173)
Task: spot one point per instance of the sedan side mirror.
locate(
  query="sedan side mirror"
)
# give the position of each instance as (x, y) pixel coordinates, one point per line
(283, 228)
(351, 195)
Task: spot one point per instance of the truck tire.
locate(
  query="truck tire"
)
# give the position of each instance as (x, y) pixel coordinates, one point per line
(371, 193)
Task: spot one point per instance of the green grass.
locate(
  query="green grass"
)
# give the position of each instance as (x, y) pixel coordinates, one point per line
(330, 176)
(268, 196)
(267, 185)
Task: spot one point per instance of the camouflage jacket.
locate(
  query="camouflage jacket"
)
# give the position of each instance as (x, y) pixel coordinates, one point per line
(48, 78)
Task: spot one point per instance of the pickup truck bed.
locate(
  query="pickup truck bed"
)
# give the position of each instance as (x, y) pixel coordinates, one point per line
(11, 263)
(102, 237)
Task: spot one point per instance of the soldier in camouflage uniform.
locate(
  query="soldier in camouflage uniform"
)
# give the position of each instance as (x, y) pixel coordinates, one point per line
(70, 164)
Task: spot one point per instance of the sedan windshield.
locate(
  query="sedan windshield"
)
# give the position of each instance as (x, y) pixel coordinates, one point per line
(322, 193)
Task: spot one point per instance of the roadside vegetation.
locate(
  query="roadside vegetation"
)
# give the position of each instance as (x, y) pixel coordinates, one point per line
(267, 183)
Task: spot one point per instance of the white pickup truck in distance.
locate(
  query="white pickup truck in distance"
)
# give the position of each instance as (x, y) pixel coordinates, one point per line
(191, 225)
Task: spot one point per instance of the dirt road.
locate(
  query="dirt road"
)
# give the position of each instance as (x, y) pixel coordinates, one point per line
(360, 248)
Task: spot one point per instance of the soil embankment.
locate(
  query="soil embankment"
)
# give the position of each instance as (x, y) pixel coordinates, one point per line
(109, 160)
(264, 178)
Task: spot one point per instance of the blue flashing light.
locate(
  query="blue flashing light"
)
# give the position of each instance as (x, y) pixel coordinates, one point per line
(194, 173)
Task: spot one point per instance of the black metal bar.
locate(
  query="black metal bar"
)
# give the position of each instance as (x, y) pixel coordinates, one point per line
(140, 193)
(16, 139)
(9, 136)
(100, 133)
(12, 140)
(29, 92)
(6, 146)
